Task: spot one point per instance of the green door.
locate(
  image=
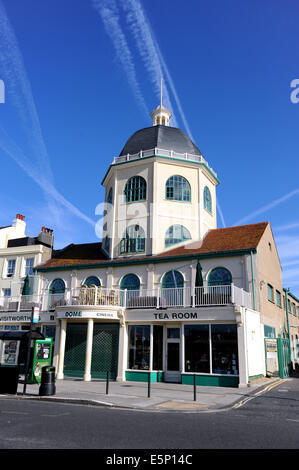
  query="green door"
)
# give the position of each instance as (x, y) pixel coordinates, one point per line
(105, 350)
(75, 349)
(284, 357)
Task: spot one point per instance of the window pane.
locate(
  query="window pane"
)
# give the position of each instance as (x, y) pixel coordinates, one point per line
(197, 351)
(173, 333)
(158, 347)
(270, 293)
(224, 349)
(139, 347)
(29, 266)
(11, 267)
(92, 281)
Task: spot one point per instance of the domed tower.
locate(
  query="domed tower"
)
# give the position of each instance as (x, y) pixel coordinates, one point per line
(160, 192)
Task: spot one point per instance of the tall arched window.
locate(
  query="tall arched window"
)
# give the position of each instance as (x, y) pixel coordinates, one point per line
(56, 294)
(92, 281)
(178, 189)
(133, 240)
(135, 189)
(176, 234)
(172, 289)
(172, 279)
(110, 196)
(219, 277)
(57, 287)
(131, 283)
(207, 198)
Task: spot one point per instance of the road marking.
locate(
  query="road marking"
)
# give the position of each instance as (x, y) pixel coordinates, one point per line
(15, 412)
(294, 420)
(56, 415)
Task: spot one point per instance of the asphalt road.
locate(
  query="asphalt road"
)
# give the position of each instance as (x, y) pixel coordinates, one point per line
(269, 421)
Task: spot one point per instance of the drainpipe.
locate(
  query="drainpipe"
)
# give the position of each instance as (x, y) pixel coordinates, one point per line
(287, 291)
(253, 281)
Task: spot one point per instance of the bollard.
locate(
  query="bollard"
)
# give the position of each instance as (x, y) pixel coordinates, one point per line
(194, 386)
(107, 383)
(149, 385)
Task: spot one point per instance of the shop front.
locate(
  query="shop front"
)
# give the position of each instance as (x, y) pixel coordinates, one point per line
(88, 344)
(184, 344)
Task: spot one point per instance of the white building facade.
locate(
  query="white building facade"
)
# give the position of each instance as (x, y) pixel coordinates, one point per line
(166, 293)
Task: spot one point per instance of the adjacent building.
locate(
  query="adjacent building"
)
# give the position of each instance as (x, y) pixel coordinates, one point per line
(19, 254)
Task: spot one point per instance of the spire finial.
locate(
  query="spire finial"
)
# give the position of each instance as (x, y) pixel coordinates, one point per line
(161, 91)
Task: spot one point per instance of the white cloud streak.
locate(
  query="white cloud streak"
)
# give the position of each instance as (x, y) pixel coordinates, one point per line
(268, 207)
(11, 149)
(109, 13)
(19, 93)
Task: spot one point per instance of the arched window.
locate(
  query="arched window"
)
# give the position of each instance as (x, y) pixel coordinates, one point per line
(56, 291)
(57, 287)
(176, 234)
(135, 189)
(133, 240)
(207, 198)
(172, 279)
(172, 292)
(178, 189)
(130, 282)
(219, 277)
(92, 281)
(110, 196)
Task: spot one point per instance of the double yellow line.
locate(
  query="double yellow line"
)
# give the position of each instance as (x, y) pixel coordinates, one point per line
(266, 389)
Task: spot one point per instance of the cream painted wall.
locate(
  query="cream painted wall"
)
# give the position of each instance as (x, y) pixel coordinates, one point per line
(157, 214)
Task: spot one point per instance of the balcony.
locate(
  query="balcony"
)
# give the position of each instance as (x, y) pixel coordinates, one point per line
(162, 153)
(156, 298)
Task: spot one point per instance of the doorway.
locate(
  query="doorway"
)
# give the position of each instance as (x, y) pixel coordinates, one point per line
(173, 354)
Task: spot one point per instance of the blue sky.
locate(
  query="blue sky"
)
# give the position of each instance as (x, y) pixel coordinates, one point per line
(81, 76)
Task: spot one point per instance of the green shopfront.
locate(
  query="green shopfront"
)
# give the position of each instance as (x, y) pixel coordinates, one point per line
(89, 344)
(173, 351)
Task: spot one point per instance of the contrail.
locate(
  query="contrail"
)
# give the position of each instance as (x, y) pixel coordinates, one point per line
(268, 206)
(20, 94)
(18, 91)
(147, 47)
(11, 149)
(109, 13)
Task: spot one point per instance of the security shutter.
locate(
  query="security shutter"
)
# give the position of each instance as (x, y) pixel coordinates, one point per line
(105, 350)
(75, 349)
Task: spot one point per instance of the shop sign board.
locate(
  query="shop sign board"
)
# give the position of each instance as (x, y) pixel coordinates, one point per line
(187, 315)
(80, 314)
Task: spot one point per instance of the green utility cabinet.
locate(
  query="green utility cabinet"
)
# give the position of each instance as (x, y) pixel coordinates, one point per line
(42, 356)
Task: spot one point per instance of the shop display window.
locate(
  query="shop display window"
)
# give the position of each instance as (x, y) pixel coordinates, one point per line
(197, 349)
(139, 347)
(224, 349)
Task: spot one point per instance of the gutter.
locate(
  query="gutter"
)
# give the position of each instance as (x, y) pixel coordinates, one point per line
(253, 280)
(287, 292)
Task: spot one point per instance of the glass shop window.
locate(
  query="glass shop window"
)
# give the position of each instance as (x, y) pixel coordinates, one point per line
(139, 347)
(157, 347)
(224, 349)
(197, 351)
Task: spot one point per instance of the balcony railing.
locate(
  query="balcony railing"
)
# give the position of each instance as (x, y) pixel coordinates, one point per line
(143, 298)
(20, 303)
(163, 153)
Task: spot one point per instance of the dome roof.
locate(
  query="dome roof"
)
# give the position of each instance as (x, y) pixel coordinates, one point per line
(164, 137)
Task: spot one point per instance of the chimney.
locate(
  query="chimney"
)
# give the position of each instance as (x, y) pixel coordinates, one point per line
(46, 237)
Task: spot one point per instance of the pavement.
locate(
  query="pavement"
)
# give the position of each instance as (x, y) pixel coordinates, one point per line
(134, 395)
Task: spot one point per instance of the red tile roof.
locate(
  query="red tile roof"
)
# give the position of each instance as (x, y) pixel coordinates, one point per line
(230, 239)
